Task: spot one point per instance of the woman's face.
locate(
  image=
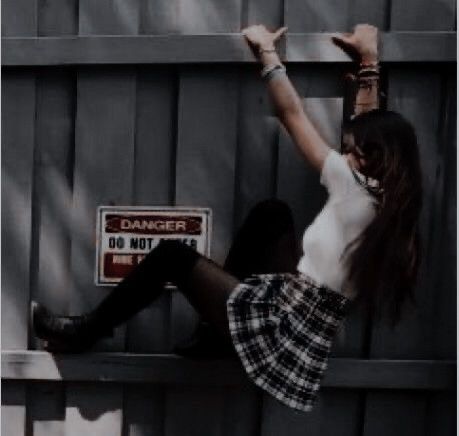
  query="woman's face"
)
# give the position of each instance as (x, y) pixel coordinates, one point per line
(352, 154)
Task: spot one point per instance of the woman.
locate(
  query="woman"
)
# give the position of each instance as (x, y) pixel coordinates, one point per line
(280, 314)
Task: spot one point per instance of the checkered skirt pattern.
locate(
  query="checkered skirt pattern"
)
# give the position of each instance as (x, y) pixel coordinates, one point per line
(282, 326)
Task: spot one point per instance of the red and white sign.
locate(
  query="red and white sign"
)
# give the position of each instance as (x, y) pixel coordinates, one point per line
(125, 235)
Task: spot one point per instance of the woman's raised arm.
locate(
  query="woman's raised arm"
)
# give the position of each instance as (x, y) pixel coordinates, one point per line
(284, 96)
(362, 46)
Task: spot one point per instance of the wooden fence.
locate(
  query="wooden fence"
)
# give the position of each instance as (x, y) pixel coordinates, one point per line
(136, 102)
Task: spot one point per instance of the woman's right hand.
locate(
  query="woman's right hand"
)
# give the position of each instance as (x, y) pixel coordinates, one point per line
(259, 37)
(363, 42)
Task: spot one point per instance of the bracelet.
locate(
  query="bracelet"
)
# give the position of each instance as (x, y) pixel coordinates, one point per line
(266, 50)
(269, 69)
(368, 73)
(273, 73)
(367, 83)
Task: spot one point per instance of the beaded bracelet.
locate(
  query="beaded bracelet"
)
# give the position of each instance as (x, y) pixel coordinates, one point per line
(267, 71)
(367, 82)
(274, 73)
(367, 73)
(266, 50)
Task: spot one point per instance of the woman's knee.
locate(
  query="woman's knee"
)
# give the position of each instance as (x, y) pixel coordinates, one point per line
(173, 259)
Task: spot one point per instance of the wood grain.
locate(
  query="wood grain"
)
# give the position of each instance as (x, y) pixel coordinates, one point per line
(172, 369)
(214, 48)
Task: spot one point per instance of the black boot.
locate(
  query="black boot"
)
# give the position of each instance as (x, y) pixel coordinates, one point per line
(66, 333)
(169, 261)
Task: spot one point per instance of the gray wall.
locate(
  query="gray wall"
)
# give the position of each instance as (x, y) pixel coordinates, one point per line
(81, 128)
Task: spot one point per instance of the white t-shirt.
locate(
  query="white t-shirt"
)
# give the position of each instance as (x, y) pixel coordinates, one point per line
(347, 212)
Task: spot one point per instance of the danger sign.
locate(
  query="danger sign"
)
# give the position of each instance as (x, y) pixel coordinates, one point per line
(125, 235)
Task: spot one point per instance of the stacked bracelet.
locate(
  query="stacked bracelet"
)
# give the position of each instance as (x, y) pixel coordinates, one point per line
(270, 71)
(266, 50)
(367, 70)
(367, 82)
(368, 75)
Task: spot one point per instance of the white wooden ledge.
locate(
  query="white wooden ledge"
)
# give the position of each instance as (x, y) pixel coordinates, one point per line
(172, 369)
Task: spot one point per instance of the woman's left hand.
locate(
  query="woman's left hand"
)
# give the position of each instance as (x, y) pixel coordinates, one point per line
(362, 43)
(259, 37)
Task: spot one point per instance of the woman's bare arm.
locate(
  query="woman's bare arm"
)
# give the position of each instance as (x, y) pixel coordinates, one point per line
(286, 100)
(362, 45)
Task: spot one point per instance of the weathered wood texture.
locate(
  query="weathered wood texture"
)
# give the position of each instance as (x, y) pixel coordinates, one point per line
(180, 49)
(170, 369)
(87, 122)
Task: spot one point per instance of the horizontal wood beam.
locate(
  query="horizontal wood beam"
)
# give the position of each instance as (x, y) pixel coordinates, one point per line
(212, 48)
(172, 369)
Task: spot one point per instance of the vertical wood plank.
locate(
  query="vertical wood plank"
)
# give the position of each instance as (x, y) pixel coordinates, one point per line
(57, 17)
(104, 148)
(312, 16)
(13, 408)
(18, 135)
(445, 333)
(441, 414)
(338, 419)
(159, 17)
(154, 184)
(375, 13)
(46, 409)
(207, 133)
(423, 15)
(55, 147)
(55, 137)
(19, 18)
(103, 175)
(268, 12)
(280, 419)
(257, 147)
(396, 413)
(109, 17)
(53, 195)
(103, 169)
(333, 15)
(194, 411)
(143, 410)
(208, 16)
(93, 410)
(242, 411)
(206, 155)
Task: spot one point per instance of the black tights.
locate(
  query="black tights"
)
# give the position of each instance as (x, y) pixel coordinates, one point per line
(264, 244)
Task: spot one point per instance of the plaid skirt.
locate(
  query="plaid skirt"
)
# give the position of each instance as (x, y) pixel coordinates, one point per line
(282, 327)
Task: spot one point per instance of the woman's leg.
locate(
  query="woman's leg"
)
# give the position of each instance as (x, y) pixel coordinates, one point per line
(206, 285)
(265, 243)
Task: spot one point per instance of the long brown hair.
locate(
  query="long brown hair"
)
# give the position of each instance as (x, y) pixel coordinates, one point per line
(384, 260)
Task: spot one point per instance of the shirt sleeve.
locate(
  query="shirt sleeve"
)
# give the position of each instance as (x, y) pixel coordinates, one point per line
(336, 174)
